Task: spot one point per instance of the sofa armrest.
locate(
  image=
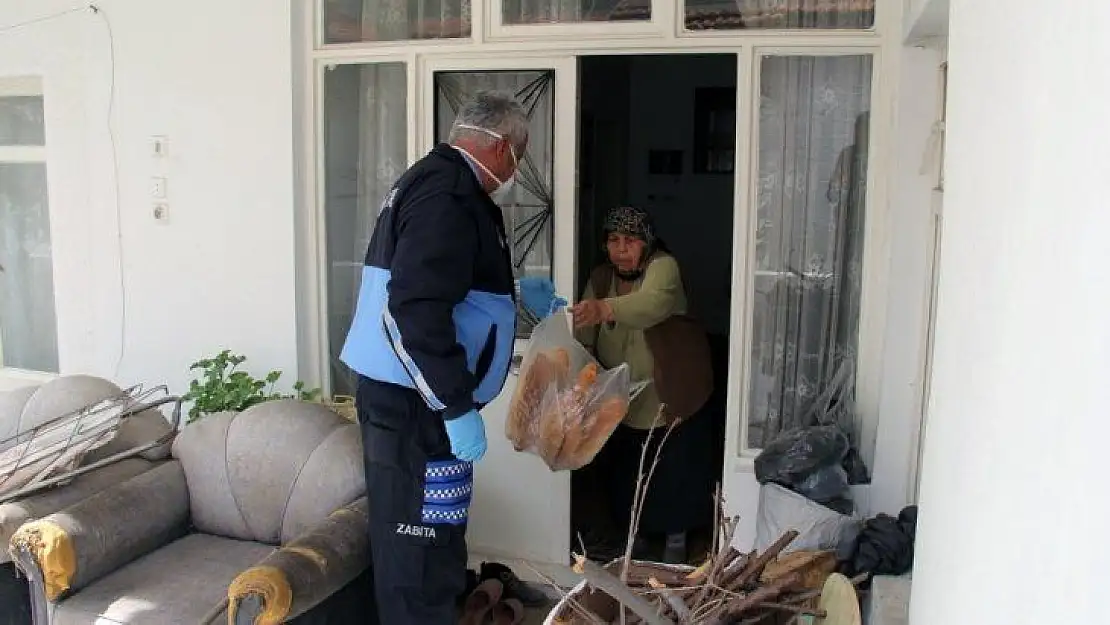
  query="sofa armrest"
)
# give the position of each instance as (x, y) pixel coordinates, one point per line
(96, 536)
(304, 572)
(16, 513)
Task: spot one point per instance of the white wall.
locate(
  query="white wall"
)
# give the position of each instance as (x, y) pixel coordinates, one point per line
(1013, 494)
(215, 77)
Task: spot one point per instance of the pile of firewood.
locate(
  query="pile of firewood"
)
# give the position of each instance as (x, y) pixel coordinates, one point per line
(730, 588)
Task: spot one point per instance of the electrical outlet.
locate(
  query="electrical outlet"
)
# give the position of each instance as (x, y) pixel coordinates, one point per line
(161, 212)
(158, 187)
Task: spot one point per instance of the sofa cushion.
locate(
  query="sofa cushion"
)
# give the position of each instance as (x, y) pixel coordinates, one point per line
(178, 584)
(271, 471)
(63, 396)
(16, 513)
(26, 458)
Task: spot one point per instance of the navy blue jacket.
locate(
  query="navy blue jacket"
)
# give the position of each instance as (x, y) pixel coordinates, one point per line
(436, 309)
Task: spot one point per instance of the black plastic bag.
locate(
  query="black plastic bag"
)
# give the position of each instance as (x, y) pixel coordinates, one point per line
(795, 455)
(825, 485)
(857, 471)
(885, 545)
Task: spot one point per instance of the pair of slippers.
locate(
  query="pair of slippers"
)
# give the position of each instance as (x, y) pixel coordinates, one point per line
(487, 604)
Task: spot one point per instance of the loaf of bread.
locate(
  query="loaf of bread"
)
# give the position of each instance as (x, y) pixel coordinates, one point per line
(557, 414)
(561, 359)
(596, 429)
(527, 400)
(552, 432)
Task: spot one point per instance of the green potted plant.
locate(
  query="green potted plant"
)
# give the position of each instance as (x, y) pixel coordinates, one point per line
(221, 386)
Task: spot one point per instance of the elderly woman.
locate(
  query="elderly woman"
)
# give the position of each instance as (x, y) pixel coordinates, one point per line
(634, 311)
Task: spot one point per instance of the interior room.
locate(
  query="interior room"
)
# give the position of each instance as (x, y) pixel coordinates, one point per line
(658, 132)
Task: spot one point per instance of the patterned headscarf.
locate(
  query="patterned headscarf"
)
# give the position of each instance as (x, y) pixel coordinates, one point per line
(631, 221)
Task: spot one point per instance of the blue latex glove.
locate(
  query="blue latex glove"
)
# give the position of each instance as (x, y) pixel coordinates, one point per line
(538, 296)
(468, 436)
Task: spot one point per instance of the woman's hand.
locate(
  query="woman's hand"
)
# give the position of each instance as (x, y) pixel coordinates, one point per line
(591, 312)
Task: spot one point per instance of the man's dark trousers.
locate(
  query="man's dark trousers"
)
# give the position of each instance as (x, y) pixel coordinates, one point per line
(419, 496)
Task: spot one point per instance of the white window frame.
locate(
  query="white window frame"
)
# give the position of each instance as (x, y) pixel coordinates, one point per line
(491, 43)
(16, 86)
(658, 26)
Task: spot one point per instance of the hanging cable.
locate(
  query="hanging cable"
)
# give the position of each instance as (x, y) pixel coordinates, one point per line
(44, 18)
(110, 123)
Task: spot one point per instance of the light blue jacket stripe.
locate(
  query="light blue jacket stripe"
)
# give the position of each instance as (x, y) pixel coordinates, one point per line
(410, 365)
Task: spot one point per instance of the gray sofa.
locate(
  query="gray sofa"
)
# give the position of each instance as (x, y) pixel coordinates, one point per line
(258, 517)
(24, 409)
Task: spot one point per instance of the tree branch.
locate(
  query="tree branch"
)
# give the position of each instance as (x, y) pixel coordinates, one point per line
(609, 584)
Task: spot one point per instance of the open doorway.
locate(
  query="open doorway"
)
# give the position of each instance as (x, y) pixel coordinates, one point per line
(658, 132)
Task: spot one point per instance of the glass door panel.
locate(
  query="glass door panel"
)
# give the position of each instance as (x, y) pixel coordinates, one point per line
(364, 151)
(530, 207)
(812, 160)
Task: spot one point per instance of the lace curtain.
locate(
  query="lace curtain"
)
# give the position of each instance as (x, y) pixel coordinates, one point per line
(702, 14)
(28, 325)
(562, 11)
(781, 14)
(366, 151)
(809, 241)
(395, 20)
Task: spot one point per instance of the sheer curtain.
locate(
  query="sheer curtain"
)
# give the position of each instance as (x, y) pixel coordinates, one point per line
(785, 14)
(555, 11)
(395, 20)
(366, 151)
(29, 332)
(28, 325)
(813, 136)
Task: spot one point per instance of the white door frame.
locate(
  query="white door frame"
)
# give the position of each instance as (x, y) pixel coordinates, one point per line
(936, 206)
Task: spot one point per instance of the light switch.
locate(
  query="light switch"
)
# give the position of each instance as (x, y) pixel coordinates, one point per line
(158, 187)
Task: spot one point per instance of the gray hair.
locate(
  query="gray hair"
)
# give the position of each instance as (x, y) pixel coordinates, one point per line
(497, 112)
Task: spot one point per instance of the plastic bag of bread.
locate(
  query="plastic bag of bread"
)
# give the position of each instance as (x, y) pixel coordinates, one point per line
(565, 405)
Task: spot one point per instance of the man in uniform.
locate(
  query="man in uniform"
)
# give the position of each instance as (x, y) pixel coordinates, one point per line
(432, 339)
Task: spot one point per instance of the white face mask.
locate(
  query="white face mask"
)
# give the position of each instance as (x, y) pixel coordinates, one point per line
(501, 193)
(504, 187)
